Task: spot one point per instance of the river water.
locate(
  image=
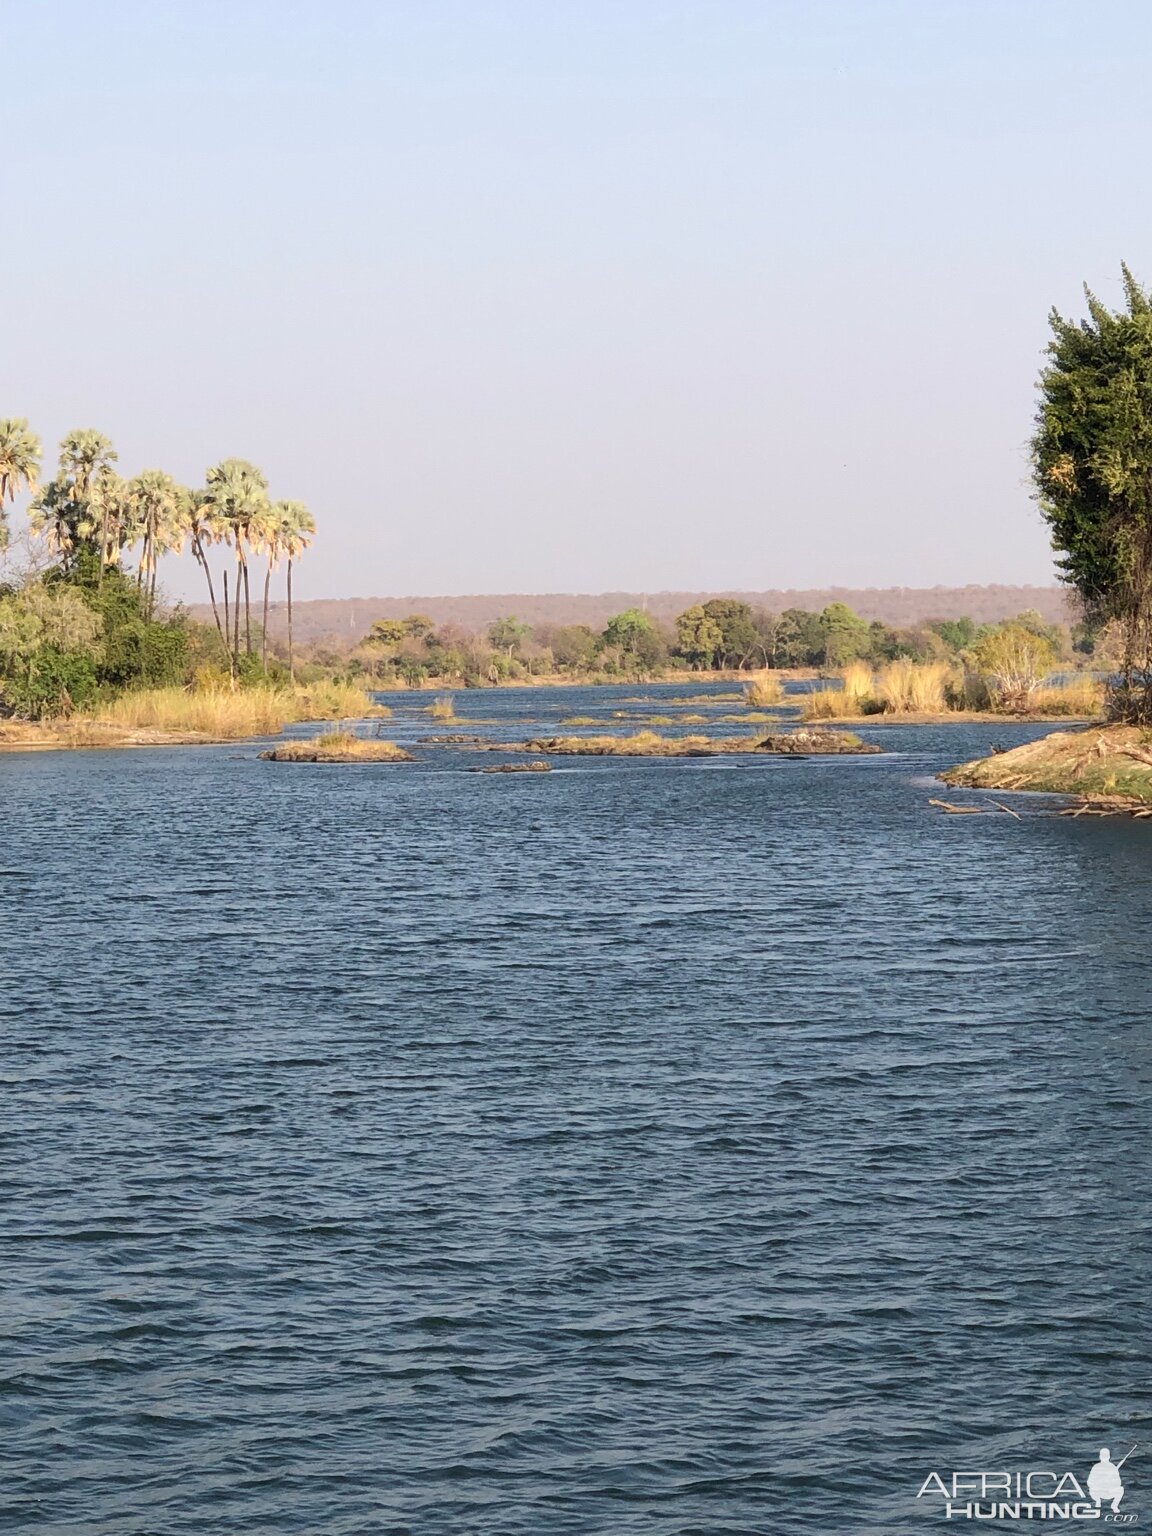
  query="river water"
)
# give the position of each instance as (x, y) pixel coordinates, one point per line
(662, 1147)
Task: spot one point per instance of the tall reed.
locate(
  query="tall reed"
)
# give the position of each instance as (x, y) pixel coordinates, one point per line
(914, 687)
(227, 713)
(764, 690)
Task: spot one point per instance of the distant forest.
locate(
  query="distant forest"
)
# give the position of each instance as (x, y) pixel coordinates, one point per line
(344, 619)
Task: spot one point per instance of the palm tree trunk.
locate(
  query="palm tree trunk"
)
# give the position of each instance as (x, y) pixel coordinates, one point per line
(228, 629)
(198, 551)
(291, 653)
(236, 610)
(152, 592)
(103, 547)
(247, 611)
(264, 625)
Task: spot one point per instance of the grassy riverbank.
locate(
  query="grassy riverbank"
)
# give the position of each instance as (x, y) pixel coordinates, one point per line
(935, 693)
(175, 716)
(1096, 763)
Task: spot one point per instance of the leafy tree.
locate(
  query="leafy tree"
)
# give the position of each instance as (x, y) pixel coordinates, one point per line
(800, 639)
(386, 632)
(574, 646)
(957, 634)
(1016, 660)
(699, 636)
(1092, 455)
(738, 637)
(508, 634)
(846, 635)
(19, 465)
(50, 641)
(636, 637)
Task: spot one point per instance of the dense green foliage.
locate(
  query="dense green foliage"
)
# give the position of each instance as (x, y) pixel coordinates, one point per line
(1093, 470)
(67, 637)
(87, 627)
(721, 634)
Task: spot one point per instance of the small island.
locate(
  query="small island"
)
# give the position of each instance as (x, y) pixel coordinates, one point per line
(1104, 767)
(338, 747)
(798, 743)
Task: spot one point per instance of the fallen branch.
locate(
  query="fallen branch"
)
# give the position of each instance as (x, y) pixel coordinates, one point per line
(1007, 809)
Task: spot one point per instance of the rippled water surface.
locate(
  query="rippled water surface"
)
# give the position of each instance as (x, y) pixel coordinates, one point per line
(703, 1146)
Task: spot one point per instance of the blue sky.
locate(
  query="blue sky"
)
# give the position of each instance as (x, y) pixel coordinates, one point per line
(576, 296)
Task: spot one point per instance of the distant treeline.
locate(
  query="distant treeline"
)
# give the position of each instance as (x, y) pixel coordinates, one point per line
(722, 634)
(342, 620)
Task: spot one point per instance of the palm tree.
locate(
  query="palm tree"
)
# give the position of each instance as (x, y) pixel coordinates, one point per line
(297, 528)
(271, 548)
(156, 506)
(109, 512)
(51, 517)
(82, 497)
(82, 454)
(20, 455)
(198, 520)
(237, 492)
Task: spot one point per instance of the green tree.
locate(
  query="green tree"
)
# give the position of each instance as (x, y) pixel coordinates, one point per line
(574, 647)
(19, 465)
(846, 635)
(698, 636)
(636, 637)
(1014, 660)
(738, 637)
(1092, 457)
(957, 634)
(509, 634)
(800, 639)
(50, 641)
(386, 632)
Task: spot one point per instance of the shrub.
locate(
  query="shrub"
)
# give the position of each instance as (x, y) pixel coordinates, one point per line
(1014, 660)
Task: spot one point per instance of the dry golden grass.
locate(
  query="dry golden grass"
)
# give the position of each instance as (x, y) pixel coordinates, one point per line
(855, 696)
(328, 700)
(223, 715)
(828, 704)
(338, 747)
(764, 690)
(227, 714)
(859, 684)
(442, 708)
(1079, 696)
(652, 744)
(914, 687)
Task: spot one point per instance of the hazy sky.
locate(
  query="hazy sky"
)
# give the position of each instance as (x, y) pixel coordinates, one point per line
(556, 295)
